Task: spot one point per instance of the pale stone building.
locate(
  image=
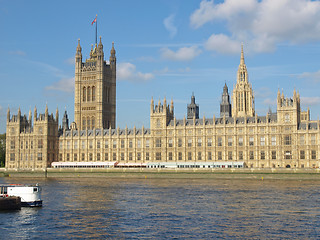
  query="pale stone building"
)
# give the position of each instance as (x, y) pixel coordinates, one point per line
(286, 138)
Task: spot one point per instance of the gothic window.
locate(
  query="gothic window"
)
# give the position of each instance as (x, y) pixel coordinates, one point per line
(287, 118)
(209, 142)
(83, 123)
(93, 93)
(302, 154)
(240, 141)
(274, 155)
(75, 144)
(287, 140)
(262, 141)
(251, 141)
(229, 141)
(88, 123)
(170, 142)
(240, 155)
(75, 157)
(287, 155)
(313, 154)
(158, 142)
(199, 142)
(139, 144)
(12, 145)
(180, 156)
(84, 94)
(170, 156)
(114, 143)
(219, 141)
(273, 141)
(93, 123)
(88, 94)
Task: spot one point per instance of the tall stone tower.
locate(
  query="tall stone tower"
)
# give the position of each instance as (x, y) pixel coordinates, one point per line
(225, 105)
(242, 99)
(95, 89)
(193, 109)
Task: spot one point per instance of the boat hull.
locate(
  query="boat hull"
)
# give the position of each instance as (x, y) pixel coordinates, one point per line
(32, 204)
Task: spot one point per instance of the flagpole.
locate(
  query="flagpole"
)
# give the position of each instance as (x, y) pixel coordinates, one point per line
(96, 28)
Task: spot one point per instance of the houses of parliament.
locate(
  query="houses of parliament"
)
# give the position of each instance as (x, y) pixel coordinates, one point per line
(238, 137)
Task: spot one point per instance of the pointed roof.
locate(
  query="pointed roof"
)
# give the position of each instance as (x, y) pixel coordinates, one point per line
(242, 56)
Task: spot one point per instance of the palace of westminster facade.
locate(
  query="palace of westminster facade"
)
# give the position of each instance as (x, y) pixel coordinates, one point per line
(287, 138)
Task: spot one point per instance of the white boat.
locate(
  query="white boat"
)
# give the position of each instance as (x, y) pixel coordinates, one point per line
(30, 194)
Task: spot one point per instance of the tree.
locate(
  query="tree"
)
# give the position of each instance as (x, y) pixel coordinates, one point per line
(2, 149)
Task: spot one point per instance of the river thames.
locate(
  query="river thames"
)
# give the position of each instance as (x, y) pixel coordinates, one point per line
(104, 208)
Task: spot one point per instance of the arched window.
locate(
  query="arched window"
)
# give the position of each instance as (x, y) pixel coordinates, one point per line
(84, 94)
(93, 93)
(89, 94)
(83, 123)
(93, 123)
(88, 123)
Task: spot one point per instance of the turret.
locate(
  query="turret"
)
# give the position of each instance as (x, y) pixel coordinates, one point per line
(65, 121)
(46, 113)
(225, 105)
(30, 117)
(35, 114)
(113, 57)
(57, 115)
(8, 115)
(193, 109)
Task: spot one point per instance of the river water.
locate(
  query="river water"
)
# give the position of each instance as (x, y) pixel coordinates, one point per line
(103, 208)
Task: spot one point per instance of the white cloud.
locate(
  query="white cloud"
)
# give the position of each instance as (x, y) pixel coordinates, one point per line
(169, 25)
(310, 101)
(222, 44)
(262, 24)
(314, 76)
(127, 71)
(182, 54)
(63, 85)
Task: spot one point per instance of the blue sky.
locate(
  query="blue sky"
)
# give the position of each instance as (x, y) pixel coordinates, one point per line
(167, 48)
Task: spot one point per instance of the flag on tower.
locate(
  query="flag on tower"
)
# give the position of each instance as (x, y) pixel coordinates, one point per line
(94, 21)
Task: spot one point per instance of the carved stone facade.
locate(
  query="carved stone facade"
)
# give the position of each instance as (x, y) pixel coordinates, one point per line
(286, 138)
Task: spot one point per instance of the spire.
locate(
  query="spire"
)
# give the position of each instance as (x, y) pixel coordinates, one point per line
(8, 114)
(79, 49)
(19, 111)
(35, 112)
(193, 108)
(242, 56)
(57, 114)
(65, 121)
(30, 114)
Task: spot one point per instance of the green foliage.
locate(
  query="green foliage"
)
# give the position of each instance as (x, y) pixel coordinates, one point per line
(2, 149)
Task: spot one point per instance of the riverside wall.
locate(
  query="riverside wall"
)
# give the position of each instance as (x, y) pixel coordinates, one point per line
(144, 173)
